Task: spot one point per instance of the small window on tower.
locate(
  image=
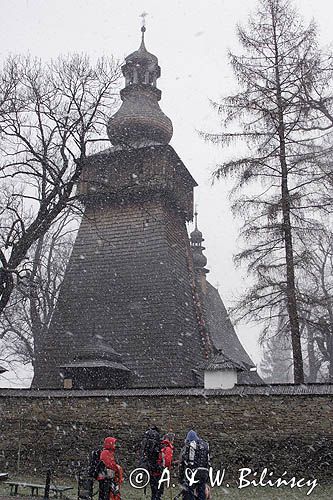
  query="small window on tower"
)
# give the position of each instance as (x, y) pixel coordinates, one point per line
(68, 383)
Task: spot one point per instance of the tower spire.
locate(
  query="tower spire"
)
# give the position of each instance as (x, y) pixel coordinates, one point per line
(196, 240)
(140, 121)
(143, 30)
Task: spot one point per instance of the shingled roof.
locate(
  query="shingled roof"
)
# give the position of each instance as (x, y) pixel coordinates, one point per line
(249, 377)
(222, 362)
(317, 389)
(221, 330)
(127, 282)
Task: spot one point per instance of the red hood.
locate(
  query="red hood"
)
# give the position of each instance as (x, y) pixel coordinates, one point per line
(110, 443)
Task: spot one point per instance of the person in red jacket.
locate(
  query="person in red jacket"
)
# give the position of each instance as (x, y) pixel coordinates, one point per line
(111, 475)
(166, 453)
(164, 461)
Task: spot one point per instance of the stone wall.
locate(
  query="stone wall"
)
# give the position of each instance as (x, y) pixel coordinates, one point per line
(282, 432)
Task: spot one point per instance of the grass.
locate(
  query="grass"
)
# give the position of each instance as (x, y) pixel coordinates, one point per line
(321, 492)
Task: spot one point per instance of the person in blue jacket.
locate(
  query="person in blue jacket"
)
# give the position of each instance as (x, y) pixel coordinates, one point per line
(194, 457)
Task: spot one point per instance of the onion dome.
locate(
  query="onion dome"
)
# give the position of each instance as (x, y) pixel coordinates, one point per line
(142, 60)
(199, 260)
(196, 239)
(196, 236)
(139, 121)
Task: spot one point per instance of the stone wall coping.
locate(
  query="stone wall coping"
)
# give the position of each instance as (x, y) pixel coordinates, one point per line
(321, 389)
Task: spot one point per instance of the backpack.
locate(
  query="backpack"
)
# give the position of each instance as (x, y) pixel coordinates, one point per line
(150, 450)
(95, 465)
(196, 456)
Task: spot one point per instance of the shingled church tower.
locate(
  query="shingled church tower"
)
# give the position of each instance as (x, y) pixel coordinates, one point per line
(129, 313)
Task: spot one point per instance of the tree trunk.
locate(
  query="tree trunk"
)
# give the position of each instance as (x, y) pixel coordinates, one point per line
(287, 229)
(313, 365)
(36, 321)
(328, 300)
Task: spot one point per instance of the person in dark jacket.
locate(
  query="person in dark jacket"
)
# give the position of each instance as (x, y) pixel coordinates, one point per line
(194, 457)
(164, 461)
(156, 454)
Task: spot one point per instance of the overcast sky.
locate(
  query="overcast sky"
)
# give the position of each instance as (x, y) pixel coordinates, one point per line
(191, 39)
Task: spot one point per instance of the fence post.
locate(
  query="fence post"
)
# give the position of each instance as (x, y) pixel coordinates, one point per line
(18, 461)
(85, 486)
(47, 484)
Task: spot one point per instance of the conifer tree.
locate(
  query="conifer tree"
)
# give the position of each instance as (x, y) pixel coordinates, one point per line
(275, 164)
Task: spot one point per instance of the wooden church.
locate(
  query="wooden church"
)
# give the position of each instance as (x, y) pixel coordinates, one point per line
(135, 309)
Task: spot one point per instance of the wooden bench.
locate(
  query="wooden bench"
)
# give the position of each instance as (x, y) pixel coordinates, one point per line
(57, 490)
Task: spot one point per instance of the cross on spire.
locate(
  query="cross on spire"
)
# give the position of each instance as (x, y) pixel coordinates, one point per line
(143, 15)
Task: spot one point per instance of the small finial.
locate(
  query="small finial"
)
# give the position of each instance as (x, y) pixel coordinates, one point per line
(196, 216)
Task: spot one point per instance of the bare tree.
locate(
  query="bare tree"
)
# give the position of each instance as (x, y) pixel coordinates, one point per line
(276, 164)
(316, 296)
(51, 116)
(276, 364)
(27, 316)
(277, 358)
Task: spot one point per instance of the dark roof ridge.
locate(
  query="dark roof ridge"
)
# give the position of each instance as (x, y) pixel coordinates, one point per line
(312, 389)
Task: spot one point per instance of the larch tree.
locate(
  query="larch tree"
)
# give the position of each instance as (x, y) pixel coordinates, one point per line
(275, 167)
(52, 115)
